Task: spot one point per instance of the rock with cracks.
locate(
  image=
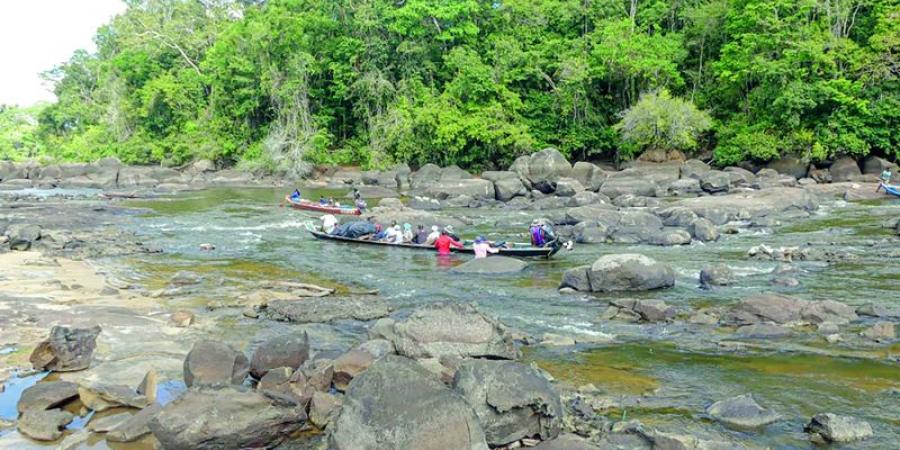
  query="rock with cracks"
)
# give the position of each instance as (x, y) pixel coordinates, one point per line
(66, 350)
(214, 363)
(629, 272)
(290, 350)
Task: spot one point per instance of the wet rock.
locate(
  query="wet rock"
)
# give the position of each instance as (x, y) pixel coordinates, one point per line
(424, 203)
(47, 395)
(323, 408)
(715, 181)
(716, 275)
(878, 310)
(763, 331)
(511, 400)
(451, 330)
(330, 309)
(290, 350)
(831, 428)
(629, 272)
(136, 426)
(788, 282)
(828, 311)
(66, 350)
(776, 308)
(44, 425)
(557, 340)
(102, 397)
(492, 265)
(881, 331)
(577, 278)
(567, 442)
(108, 423)
(845, 169)
(214, 363)
(195, 420)
(704, 230)
(350, 365)
(182, 318)
(654, 310)
(741, 412)
(434, 417)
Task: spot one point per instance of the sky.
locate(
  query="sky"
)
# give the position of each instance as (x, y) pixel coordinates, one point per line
(36, 35)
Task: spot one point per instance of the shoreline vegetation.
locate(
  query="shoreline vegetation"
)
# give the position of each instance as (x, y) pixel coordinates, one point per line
(281, 86)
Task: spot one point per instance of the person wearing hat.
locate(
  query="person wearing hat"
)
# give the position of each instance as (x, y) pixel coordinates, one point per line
(394, 235)
(421, 236)
(451, 233)
(407, 233)
(433, 236)
(445, 242)
(482, 247)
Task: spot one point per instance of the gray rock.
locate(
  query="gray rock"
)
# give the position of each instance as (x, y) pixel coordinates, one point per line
(567, 442)
(763, 331)
(881, 331)
(12, 171)
(635, 185)
(878, 310)
(492, 265)
(106, 424)
(23, 236)
(586, 198)
(740, 177)
(832, 428)
(497, 175)
(44, 425)
(475, 188)
(589, 175)
(776, 308)
(715, 181)
(511, 400)
(66, 350)
(349, 365)
(426, 175)
(100, 397)
(136, 426)
(704, 230)
(685, 187)
(424, 203)
(377, 347)
(694, 168)
(677, 217)
(397, 404)
(716, 275)
(508, 188)
(654, 310)
(212, 363)
(790, 165)
(47, 395)
(741, 412)
(453, 172)
(328, 309)
(323, 408)
(568, 187)
(451, 330)
(828, 311)
(577, 278)
(225, 419)
(845, 169)
(629, 272)
(548, 165)
(290, 350)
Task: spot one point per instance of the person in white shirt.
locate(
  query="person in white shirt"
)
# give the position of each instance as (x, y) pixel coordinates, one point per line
(435, 234)
(329, 222)
(394, 235)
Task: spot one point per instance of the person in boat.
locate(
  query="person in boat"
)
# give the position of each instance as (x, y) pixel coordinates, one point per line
(421, 236)
(444, 243)
(322, 201)
(393, 235)
(330, 201)
(380, 233)
(295, 196)
(329, 223)
(482, 247)
(542, 235)
(451, 233)
(357, 197)
(407, 233)
(361, 204)
(433, 236)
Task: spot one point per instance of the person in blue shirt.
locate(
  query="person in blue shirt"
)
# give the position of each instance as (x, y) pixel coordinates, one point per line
(295, 195)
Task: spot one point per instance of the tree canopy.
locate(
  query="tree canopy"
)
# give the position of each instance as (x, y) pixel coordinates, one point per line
(281, 84)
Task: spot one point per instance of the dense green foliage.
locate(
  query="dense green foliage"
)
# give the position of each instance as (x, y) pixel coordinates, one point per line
(476, 82)
(658, 121)
(18, 133)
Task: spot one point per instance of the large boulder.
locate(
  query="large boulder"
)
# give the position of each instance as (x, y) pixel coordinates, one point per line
(23, 236)
(704, 230)
(211, 363)
(66, 350)
(512, 400)
(830, 428)
(589, 175)
(775, 308)
(740, 177)
(12, 171)
(790, 165)
(476, 188)
(845, 169)
(493, 265)
(619, 184)
(577, 278)
(397, 404)
(545, 166)
(290, 350)
(224, 419)
(715, 181)
(135, 177)
(694, 168)
(685, 187)
(453, 172)
(386, 179)
(349, 365)
(716, 275)
(741, 412)
(47, 395)
(508, 188)
(568, 187)
(451, 330)
(134, 427)
(629, 272)
(425, 176)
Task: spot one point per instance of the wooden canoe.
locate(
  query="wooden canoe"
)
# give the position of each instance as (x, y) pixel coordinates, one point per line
(314, 206)
(522, 251)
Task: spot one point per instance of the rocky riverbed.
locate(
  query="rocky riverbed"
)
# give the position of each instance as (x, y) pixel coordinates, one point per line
(746, 310)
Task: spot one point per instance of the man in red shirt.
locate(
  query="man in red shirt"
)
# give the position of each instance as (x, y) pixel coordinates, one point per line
(443, 243)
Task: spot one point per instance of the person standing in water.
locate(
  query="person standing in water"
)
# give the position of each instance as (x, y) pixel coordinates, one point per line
(444, 243)
(482, 247)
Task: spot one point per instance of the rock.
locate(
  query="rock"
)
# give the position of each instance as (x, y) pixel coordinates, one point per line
(828, 311)
(492, 265)
(475, 188)
(589, 175)
(424, 203)
(881, 331)
(685, 187)
(214, 363)
(740, 177)
(629, 272)
(577, 278)
(397, 404)
(845, 169)
(462, 201)
(377, 347)
(832, 428)
(101, 397)
(277, 380)
(66, 350)
(44, 425)
(149, 385)
(716, 275)
(703, 318)
(741, 412)
(557, 340)
(390, 202)
(350, 365)
(878, 310)
(290, 350)
(512, 401)
(694, 168)
(788, 282)
(654, 310)
(585, 198)
(427, 174)
(201, 166)
(107, 423)
(677, 217)
(328, 309)
(451, 330)
(182, 318)
(715, 181)
(23, 236)
(568, 187)
(833, 338)
(47, 395)
(508, 188)
(195, 420)
(74, 440)
(704, 230)
(874, 165)
(547, 165)
(134, 427)
(763, 331)
(790, 165)
(616, 186)
(12, 171)
(776, 308)
(323, 408)
(567, 442)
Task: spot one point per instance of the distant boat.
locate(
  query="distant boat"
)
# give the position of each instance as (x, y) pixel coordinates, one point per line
(315, 206)
(515, 251)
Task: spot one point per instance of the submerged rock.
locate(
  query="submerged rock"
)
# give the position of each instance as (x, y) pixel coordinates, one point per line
(629, 272)
(399, 404)
(742, 412)
(224, 419)
(492, 265)
(511, 400)
(829, 428)
(66, 350)
(214, 363)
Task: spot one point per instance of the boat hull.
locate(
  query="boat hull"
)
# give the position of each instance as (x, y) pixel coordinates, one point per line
(531, 252)
(310, 206)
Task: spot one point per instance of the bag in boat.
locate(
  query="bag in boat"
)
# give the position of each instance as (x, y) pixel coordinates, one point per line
(355, 229)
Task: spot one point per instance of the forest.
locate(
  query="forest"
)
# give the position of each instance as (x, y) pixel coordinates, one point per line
(278, 85)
